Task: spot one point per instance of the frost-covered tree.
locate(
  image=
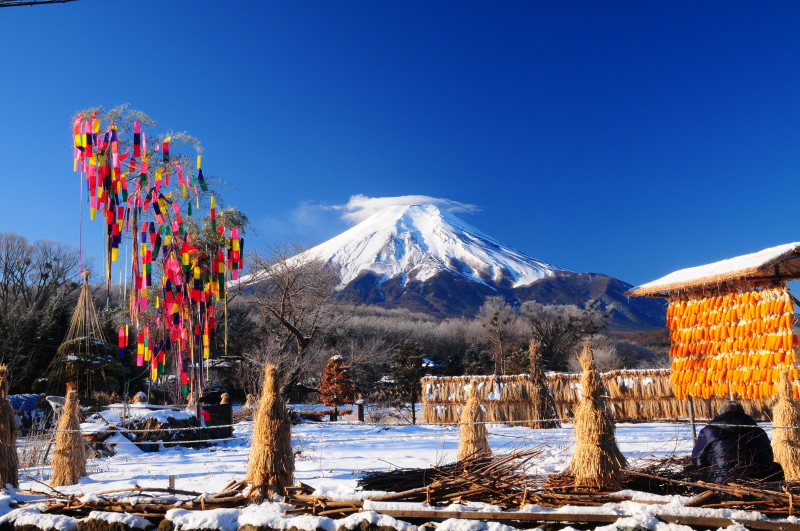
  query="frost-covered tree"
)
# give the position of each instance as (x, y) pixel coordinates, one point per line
(497, 317)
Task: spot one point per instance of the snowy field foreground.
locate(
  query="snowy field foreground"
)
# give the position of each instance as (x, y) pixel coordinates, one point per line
(332, 455)
(330, 458)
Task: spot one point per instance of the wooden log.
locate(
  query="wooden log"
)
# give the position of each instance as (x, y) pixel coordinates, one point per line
(504, 516)
(343, 510)
(398, 495)
(296, 511)
(137, 488)
(701, 498)
(589, 518)
(698, 521)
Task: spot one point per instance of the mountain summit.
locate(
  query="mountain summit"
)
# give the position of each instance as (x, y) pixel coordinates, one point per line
(427, 260)
(417, 242)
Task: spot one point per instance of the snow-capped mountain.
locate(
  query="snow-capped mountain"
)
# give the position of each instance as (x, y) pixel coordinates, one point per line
(417, 242)
(423, 259)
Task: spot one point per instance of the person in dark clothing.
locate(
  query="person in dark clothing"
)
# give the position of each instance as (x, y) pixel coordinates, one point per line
(732, 446)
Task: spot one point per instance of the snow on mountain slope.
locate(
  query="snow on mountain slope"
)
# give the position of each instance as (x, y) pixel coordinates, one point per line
(419, 241)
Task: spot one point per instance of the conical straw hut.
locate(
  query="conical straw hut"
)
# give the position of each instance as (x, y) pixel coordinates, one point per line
(69, 457)
(597, 461)
(544, 406)
(271, 467)
(474, 437)
(786, 437)
(9, 463)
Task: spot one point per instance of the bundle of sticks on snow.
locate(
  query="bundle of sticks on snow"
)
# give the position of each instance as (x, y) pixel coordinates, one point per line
(147, 502)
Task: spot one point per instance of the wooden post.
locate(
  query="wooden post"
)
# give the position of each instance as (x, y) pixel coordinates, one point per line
(691, 419)
(360, 404)
(171, 481)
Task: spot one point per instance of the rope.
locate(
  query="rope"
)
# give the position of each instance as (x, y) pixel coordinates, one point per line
(444, 424)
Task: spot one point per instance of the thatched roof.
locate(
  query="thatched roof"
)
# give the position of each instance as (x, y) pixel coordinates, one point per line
(776, 263)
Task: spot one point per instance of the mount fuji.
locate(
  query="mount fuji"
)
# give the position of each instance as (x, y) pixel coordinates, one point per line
(427, 260)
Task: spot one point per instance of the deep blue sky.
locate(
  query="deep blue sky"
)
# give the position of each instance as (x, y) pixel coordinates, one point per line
(627, 138)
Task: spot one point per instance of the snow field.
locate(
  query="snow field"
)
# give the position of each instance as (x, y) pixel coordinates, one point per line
(331, 456)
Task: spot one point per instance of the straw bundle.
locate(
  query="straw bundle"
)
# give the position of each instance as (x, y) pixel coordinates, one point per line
(473, 430)
(139, 398)
(597, 461)
(271, 457)
(786, 441)
(224, 398)
(9, 463)
(544, 407)
(69, 457)
(250, 403)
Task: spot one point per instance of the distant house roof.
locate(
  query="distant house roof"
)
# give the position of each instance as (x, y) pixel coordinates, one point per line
(776, 263)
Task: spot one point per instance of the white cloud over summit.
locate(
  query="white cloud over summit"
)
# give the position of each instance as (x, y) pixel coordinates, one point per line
(360, 206)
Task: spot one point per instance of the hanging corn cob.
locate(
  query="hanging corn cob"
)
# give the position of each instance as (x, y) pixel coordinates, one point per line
(732, 343)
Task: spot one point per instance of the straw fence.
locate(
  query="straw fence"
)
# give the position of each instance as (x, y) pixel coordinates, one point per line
(631, 394)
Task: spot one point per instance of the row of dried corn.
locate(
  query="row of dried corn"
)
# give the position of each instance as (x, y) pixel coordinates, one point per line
(733, 343)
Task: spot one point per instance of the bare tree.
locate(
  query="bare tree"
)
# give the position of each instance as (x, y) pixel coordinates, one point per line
(559, 327)
(32, 277)
(297, 305)
(497, 317)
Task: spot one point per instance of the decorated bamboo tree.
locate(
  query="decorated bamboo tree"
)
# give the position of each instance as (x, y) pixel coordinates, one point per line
(271, 467)
(474, 436)
(597, 461)
(336, 388)
(9, 463)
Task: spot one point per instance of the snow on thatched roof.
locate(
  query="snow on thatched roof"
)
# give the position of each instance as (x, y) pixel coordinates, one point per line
(781, 262)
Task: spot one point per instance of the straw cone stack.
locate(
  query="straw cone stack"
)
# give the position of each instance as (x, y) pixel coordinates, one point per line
(597, 461)
(69, 457)
(224, 398)
(250, 403)
(9, 463)
(544, 407)
(271, 458)
(786, 441)
(473, 432)
(139, 398)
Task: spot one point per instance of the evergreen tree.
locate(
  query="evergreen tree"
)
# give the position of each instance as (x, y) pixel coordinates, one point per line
(453, 365)
(336, 387)
(518, 361)
(478, 362)
(408, 369)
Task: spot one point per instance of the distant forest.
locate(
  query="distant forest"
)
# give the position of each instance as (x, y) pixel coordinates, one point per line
(294, 317)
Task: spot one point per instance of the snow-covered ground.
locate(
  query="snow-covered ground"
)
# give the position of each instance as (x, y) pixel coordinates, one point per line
(333, 454)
